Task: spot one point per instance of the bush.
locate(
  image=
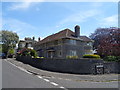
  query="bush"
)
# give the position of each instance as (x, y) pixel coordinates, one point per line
(72, 57)
(118, 58)
(27, 52)
(11, 52)
(39, 57)
(91, 56)
(112, 58)
(33, 53)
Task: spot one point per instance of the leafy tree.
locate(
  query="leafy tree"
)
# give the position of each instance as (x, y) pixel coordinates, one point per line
(9, 40)
(107, 41)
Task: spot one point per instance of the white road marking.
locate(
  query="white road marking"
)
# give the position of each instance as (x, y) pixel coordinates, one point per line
(22, 69)
(47, 80)
(62, 87)
(39, 76)
(54, 83)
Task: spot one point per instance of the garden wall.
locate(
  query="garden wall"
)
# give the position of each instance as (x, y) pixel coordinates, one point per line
(112, 67)
(78, 66)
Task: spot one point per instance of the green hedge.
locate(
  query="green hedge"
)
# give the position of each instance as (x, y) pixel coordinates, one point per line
(91, 56)
(112, 58)
(72, 57)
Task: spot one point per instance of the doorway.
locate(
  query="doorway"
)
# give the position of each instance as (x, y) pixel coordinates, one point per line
(51, 54)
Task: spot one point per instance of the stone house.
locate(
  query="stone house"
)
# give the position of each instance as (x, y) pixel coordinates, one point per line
(27, 42)
(64, 43)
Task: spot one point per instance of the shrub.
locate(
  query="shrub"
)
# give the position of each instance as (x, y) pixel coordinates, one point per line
(91, 56)
(72, 57)
(33, 53)
(112, 58)
(11, 51)
(39, 57)
(118, 58)
(27, 52)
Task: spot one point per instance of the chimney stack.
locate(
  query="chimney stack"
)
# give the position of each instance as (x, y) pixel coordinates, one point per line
(39, 39)
(33, 38)
(77, 31)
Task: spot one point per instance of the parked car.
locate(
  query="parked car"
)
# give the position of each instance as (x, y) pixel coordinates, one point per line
(3, 55)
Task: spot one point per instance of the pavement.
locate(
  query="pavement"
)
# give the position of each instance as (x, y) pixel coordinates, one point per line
(55, 79)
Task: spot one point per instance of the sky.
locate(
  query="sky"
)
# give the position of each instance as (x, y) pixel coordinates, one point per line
(40, 19)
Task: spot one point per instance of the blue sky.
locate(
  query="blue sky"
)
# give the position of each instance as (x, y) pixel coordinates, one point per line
(41, 19)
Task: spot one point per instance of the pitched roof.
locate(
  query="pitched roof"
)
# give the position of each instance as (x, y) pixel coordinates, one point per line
(85, 38)
(67, 33)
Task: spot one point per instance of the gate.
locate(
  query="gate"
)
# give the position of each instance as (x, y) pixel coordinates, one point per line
(99, 69)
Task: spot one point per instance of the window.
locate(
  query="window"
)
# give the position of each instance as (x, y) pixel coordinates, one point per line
(72, 53)
(23, 45)
(59, 53)
(88, 51)
(59, 41)
(29, 45)
(56, 42)
(89, 43)
(72, 42)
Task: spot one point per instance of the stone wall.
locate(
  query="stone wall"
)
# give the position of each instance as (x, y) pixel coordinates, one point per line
(76, 66)
(112, 67)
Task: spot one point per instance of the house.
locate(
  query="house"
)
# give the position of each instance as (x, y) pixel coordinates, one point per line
(27, 42)
(64, 43)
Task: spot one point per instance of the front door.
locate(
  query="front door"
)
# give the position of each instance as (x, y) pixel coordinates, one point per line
(50, 54)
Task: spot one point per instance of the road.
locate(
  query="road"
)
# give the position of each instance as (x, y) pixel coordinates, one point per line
(14, 76)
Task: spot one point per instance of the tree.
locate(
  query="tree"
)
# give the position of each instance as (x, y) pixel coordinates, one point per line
(9, 40)
(107, 41)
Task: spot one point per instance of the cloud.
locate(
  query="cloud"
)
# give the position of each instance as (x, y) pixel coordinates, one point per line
(23, 5)
(79, 17)
(21, 28)
(64, 0)
(110, 21)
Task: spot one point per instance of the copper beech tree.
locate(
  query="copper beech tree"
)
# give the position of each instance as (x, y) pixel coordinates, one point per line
(107, 41)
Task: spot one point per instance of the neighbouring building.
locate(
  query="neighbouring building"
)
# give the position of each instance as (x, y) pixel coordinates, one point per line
(27, 42)
(64, 43)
